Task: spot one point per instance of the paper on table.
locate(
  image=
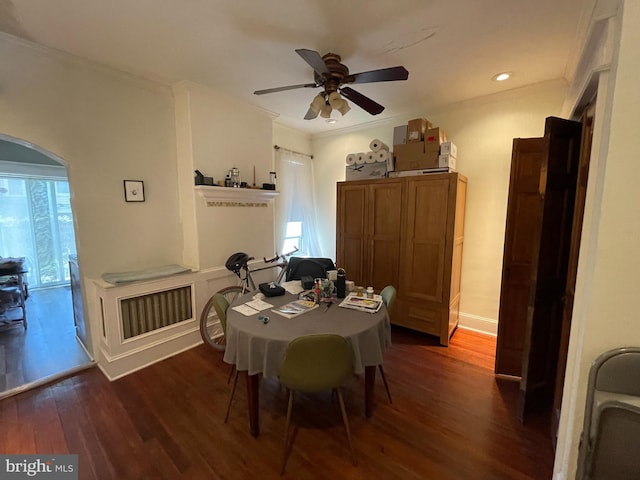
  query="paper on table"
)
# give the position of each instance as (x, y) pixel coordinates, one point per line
(258, 304)
(245, 309)
(252, 307)
(292, 286)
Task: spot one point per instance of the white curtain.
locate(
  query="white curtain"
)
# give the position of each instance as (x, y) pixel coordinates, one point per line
(295, 206)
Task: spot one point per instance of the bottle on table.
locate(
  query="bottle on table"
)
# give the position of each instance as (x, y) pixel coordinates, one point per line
(316, 291)
(341, 284)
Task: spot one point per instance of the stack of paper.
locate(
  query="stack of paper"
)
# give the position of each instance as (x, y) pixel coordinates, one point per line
(364, 304)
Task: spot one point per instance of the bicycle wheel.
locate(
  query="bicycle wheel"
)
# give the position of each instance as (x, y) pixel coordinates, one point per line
(211, 329)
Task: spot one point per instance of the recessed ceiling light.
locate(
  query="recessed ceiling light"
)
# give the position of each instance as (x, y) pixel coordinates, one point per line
(501, 77)
(332, 120)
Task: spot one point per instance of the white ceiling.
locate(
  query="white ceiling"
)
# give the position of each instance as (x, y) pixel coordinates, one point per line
(451, 48)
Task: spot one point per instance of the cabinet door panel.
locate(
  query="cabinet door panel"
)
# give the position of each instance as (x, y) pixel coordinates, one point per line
(419, 316)
(425, 242)
(352, 209)
(384, 226)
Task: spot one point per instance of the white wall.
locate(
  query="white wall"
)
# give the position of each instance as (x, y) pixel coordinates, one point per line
(287, 137)
(107, 127)
(216, 133)
(483, 129)
(605, 313)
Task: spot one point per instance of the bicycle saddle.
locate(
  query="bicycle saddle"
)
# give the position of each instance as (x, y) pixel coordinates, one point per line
(236, 262)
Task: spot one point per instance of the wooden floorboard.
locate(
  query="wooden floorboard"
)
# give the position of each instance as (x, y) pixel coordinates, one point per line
(47, 347)
(450, 419)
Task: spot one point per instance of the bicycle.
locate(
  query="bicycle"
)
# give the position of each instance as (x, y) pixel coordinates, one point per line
(214, 335)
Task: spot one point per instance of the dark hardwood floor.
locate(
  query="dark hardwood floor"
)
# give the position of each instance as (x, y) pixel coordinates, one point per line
(450, 419)
(46, 348)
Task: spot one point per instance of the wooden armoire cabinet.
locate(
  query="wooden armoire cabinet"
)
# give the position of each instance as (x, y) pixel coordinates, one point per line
(407, 232)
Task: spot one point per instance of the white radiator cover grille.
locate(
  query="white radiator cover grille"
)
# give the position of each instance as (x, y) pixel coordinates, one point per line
(145, 313)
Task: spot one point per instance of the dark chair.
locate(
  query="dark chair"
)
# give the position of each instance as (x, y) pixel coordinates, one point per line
(388, 295)
(314, 363)
(611, 431)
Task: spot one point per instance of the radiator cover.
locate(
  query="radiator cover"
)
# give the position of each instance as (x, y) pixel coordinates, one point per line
(145, 313)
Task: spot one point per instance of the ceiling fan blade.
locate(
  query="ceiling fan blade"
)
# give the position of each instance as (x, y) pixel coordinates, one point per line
(383, 75)
(314, 59)
(362, 101)
(282, 89)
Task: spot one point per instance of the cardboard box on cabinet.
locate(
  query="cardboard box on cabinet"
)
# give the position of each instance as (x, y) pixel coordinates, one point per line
(449, 148)
(416, 129)
(400, 135)
(414, 156)
(447, 161)
(433, 138)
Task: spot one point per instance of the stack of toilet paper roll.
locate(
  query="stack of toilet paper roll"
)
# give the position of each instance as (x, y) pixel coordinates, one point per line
(379, 153)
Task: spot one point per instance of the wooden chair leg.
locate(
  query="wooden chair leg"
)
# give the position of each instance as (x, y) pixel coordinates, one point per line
(286, 432)
(386, 385)
(346, 424)
(233, 391)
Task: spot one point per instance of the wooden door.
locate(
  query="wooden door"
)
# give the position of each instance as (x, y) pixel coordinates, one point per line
(551, 256)
(572, 270)
(384, 204)
(524, 214)
(351, 230)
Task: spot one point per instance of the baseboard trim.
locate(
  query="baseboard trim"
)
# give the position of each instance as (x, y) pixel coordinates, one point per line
(478, 324)
(124, 364)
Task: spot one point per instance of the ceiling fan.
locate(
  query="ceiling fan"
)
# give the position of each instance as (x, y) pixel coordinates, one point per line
(332, 75)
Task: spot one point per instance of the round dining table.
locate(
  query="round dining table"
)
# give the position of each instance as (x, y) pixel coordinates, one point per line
(257, 347)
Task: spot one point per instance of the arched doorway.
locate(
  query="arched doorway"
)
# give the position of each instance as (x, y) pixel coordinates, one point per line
(36, 223)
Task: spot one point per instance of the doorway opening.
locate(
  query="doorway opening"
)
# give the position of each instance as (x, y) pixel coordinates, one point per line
(36, 224)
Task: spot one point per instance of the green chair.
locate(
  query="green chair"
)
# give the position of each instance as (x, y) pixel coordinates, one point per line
(221, 305)
(314, 363)
(388, 295)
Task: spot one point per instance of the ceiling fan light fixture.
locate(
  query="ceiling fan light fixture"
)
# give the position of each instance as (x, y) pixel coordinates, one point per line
(317, 103)
(326, 111)
(338, 103)
(344, 108)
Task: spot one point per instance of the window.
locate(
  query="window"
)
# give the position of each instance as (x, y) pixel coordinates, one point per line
(295, 207)
(293, 237)
(36, 222)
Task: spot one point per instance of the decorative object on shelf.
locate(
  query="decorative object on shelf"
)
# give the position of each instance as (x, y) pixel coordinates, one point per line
(201, 179)
(234, 176)
(134, 190)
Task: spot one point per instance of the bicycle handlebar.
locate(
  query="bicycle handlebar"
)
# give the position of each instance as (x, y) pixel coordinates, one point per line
(271, 260)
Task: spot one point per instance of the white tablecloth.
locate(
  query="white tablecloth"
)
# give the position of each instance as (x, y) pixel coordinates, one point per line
(256, 347)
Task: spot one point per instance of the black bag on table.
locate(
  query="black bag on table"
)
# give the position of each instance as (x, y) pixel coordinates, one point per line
(271, 289)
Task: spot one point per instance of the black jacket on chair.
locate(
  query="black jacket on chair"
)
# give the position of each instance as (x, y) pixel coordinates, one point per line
(312, 267)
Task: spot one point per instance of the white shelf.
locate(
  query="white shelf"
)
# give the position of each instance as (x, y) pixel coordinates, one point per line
(235, 197)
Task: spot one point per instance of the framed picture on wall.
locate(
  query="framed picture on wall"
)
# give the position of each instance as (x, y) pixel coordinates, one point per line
(134, 190)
